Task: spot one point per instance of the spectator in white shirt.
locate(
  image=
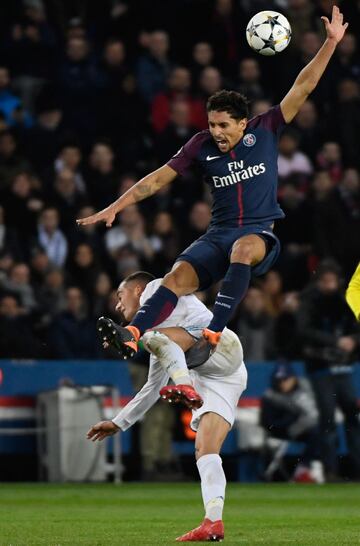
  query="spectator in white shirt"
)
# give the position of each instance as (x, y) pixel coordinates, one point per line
(130, 233)
(50, 238)
(291, 160)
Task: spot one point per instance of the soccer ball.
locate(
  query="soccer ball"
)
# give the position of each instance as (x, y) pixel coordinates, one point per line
(268, 32)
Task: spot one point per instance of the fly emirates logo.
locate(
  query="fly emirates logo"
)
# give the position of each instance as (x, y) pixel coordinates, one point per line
(237, 173)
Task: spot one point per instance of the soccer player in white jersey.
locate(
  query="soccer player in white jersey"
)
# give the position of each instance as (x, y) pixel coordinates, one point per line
(220, 382)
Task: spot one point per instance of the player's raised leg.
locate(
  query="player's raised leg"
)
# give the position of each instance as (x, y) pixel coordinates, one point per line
(247, 251)
(211, 434)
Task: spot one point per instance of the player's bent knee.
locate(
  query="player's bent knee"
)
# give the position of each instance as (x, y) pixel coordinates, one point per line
(154, 341)
(248, 250)
(208, 446)
(212, 431)
(182, 279)
(243, 253)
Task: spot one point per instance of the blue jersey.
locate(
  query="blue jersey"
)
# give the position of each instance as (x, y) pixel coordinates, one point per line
(243, 181)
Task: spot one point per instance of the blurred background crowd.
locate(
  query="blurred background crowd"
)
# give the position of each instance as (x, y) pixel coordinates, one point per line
(94, 95)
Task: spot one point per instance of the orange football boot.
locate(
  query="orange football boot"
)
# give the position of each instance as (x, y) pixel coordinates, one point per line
(203, 348)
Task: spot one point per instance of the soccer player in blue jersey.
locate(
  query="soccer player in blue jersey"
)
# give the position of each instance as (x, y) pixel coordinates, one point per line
(238, 158)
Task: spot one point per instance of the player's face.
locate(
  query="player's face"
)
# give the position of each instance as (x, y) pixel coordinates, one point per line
(225, 130)
(128, 299)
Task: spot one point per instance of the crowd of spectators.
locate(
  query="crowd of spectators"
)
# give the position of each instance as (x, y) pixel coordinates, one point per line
(93, 95)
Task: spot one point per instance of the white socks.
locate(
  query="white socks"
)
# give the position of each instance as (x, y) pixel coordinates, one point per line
(169, 354)
(213, 484)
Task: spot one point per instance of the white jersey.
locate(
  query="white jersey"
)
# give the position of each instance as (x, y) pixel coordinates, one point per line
(223, 375)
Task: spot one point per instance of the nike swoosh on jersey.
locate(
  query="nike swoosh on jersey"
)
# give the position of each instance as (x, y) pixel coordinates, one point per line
(223, 296)
(211, 157)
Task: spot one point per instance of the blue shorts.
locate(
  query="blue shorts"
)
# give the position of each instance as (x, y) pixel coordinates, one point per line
(210, 254)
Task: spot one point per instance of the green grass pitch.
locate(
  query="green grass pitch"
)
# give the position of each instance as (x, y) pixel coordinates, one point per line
(154, 514)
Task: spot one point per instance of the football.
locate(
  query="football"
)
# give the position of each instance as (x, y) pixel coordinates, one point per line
(268, 32)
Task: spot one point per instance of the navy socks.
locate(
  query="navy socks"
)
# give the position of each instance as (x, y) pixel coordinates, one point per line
(155, 310)
(232, 291)
(162, 303)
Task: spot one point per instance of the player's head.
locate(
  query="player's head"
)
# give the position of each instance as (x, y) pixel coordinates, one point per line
(227, 117)
(129, 292)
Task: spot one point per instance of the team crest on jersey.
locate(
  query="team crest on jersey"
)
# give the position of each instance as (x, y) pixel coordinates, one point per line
(249, 140)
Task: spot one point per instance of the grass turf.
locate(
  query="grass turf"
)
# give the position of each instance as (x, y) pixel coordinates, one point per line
(154, 514)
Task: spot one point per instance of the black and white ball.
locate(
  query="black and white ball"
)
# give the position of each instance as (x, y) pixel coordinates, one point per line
(268, 32)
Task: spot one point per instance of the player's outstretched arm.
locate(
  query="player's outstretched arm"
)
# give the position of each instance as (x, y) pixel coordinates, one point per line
(101, 430)
(146, 187)
(310, 75)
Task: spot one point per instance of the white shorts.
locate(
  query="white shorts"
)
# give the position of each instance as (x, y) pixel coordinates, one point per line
(221, 380)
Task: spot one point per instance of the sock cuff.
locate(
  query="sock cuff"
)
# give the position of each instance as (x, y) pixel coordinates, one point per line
(168, 294)
(238, 268)
(205, 459)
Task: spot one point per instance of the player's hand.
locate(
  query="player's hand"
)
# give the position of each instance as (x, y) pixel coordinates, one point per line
(106, 215)
(101, 430)
(335, 29)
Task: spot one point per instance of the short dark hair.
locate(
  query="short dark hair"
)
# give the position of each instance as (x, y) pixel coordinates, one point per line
(328, 265)
(232, 102)
(140, 276)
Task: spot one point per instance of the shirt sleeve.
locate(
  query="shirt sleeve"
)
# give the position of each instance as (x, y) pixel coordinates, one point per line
(353, 293)
(144, 399)
(185, 158)
(272, 120)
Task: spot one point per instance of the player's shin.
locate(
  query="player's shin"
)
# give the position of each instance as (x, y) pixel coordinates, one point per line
(232, 291)
(169, 354)
(156, 309)
(213, 484)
